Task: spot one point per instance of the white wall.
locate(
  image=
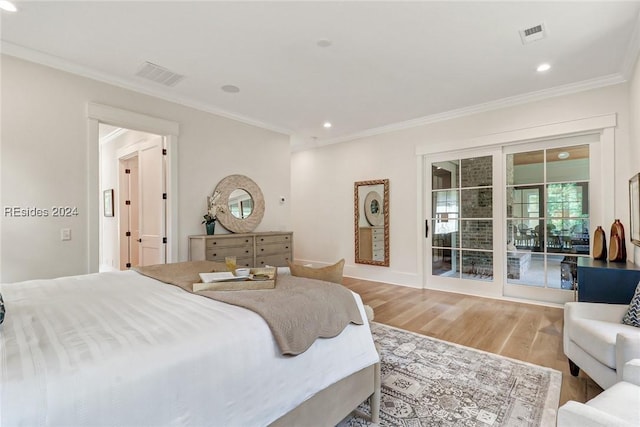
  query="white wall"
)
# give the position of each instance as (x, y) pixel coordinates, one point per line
(633, 156)
(322, 178)
(44, 163)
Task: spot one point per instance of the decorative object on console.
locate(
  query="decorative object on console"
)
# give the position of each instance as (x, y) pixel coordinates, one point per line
(634, 209)
(242, 203)
(617, 247)
(371, 222)
(330, 273)
(214, 207)
(599, 244)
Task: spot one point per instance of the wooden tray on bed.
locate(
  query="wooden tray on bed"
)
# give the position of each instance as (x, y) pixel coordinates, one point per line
(259, 278)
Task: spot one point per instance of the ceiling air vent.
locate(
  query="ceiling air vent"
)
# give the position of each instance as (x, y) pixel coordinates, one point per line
(531, 34)
(159, 74)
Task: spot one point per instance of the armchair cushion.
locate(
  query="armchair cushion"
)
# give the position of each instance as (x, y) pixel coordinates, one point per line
(631, 372)
(575, 414)
(598, 338)
(617, 406)
(632, 317)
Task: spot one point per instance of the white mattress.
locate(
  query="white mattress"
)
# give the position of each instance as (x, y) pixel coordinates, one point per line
(123, 349)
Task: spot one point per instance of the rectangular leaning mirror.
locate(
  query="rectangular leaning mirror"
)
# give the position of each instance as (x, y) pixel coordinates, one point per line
(371, 214)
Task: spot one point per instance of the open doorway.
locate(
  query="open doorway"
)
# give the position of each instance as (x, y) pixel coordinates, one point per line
(133, 174)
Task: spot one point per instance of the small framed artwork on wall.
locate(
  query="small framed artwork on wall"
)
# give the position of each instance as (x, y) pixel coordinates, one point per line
(107, 198)
(634, 209)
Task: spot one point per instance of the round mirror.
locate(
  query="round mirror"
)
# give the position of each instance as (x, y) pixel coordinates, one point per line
(243, 202)
(240, 203)
(373, 208)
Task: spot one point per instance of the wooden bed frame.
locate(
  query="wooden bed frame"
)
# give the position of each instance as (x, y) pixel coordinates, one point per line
(330, 406)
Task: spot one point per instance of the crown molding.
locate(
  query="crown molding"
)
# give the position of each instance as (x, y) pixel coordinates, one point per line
(301, 144)
(512, 101)
(42, 58)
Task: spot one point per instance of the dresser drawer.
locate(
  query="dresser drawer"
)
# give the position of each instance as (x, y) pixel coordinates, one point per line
(277, 260)
(250, 249)
(266, 250)
(218, 254)
(378, 235)
(229, 242)
(278, 238)
(378, 245)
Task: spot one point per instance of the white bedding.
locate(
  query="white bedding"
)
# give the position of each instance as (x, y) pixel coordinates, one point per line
(123, 349)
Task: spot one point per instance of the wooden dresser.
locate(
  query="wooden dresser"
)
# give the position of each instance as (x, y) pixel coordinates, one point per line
(371, 242)
(250, 249)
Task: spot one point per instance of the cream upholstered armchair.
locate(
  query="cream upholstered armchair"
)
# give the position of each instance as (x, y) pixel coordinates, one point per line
(618, 406)
(597, 342)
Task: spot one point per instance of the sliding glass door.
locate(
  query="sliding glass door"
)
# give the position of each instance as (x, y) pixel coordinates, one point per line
(510, 221)
(547, 220)
(462, 222)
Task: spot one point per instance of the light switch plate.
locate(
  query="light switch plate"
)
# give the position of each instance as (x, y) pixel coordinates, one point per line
(65, 233)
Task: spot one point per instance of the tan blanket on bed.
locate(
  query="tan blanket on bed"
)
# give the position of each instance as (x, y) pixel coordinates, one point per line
(297, 310)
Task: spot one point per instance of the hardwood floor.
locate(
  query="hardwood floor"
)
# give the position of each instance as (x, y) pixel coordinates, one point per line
(526, 332)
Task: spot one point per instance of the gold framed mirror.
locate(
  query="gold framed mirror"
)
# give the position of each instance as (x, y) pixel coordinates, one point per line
(371, 222)
(242, 203)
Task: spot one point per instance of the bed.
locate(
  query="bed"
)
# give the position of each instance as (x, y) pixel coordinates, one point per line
(120, 348)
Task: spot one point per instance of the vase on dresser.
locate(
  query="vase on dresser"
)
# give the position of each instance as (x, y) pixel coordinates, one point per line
(617, 249)
(211, 228)
(599, 244)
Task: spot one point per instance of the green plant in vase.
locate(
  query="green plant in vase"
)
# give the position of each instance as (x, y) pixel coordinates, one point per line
(214, 208)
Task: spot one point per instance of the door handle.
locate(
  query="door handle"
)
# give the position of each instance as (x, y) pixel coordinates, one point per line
(426, 228)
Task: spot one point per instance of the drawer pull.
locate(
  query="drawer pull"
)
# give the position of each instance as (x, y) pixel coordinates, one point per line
(246, 252)
(286, 247)
(215, 254)
(246, 241)
(262, 250)
(262, 239)
(215, 243)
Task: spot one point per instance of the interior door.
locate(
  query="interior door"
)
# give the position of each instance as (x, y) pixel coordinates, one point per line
(462, 195)
(152, 203)
(129, 218)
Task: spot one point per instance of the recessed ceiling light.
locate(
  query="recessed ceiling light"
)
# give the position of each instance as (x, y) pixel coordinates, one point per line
(327, 125)
(324, 43)
(8, 6)
(543, 67)
(230, 88)
(563, 155)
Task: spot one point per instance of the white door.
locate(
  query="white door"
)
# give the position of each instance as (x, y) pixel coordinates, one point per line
(129, 203)
(152, 204)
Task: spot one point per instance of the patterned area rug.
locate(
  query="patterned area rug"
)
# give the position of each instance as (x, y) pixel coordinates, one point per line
(429, 382)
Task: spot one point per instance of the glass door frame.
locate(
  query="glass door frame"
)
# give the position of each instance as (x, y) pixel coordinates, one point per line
(547, 294)
(602, 179)
(493, 288)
